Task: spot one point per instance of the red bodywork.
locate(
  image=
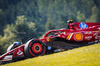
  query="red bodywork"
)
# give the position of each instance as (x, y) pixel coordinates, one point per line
(16, 53)
(80, 32)
(88, 34)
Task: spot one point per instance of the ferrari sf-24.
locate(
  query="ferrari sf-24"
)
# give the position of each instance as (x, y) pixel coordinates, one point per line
(79, 34)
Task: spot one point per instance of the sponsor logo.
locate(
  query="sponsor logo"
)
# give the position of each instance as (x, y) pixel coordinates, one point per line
(19, 52)
(49, 48)
(88, 37)
(78, 36)
(8, 57)
(48, 39)
(96, 36)
(69, 36)
(83, 25)
(99, 28)
(88, 32)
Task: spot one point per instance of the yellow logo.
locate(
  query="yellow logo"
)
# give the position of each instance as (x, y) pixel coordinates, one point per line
(68, 36)
(48, 39)
(78, 36)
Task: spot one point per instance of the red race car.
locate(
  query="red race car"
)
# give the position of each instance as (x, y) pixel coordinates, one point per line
(79, 34)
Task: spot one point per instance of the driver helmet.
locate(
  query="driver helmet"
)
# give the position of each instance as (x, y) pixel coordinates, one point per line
(70, 21)
(16, 43)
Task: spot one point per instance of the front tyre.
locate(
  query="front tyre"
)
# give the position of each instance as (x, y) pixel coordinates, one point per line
(34, 48)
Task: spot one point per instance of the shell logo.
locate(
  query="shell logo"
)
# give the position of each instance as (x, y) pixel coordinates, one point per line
(78, 36)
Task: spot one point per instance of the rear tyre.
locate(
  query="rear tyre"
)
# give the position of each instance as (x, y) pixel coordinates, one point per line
(34, 48)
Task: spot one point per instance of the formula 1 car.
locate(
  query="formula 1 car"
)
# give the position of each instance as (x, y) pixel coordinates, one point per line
(80, 34)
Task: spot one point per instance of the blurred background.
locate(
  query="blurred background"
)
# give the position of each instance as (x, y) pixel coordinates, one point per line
(24, 19)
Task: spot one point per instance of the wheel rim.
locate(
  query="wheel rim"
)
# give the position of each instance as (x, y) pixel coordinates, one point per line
(37, 48)
(34, 48)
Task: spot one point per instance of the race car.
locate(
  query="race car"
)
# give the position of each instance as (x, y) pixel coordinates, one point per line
(80, 34)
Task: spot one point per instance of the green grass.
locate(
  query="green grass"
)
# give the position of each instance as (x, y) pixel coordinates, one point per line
(84, 56)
